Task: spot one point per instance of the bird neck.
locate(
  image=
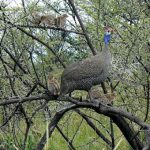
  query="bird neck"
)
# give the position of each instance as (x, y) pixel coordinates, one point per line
(107, 38)
(106, 53)
(106, 47)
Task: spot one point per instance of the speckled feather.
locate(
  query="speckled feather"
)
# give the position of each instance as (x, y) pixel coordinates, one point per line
(84, 74)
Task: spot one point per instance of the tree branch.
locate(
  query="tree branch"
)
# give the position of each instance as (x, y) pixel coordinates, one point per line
(38, 40)
(91, 124)
(114, 113)
(53, 125)
(48, 27)
(67, 140)
(83, 28)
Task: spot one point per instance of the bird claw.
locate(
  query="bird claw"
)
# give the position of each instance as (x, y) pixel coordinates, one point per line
(60, 98)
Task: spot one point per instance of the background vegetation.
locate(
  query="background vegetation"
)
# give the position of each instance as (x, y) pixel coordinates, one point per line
(28, 54)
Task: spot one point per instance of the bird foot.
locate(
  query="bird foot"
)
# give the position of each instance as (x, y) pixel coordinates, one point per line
(61, 97)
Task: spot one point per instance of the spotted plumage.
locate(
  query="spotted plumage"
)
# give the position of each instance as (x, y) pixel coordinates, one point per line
(84, 74)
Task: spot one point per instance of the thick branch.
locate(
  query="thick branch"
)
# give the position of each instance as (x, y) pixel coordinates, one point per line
(83, 28)
(127, 132)
(114, 113)
(22, 99)
(108, 110)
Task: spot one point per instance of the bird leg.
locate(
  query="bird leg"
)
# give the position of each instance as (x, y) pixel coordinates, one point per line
(70, 94)
(89, 93)
(104, 87)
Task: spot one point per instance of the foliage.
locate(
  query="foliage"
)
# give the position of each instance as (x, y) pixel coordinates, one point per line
(28, 54)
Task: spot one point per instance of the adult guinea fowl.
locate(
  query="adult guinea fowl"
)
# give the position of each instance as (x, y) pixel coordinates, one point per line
(84, 74)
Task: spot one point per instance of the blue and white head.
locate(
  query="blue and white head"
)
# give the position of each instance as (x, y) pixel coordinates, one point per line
(107, 35)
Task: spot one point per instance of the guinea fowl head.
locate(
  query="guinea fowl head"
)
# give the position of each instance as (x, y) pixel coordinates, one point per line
(107, 35)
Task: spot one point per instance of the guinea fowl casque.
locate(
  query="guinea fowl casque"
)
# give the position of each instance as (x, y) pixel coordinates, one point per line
(91, 71)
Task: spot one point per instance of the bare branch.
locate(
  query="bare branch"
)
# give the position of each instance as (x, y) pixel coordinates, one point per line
(48, 27)
(91, 124)
(107, 110)
(67, 140)
(53, 125)
(22, 100)
(38, 40)
(83, 28)
(13, 58)
(114, 113)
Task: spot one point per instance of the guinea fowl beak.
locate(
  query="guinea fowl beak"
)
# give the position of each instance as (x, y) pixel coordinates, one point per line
(109, 29)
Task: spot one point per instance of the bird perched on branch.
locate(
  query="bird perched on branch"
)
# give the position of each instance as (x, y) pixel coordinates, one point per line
(53, 85)
(107, 98)
(84, 74)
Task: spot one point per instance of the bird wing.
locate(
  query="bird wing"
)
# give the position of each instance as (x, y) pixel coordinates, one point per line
(90, 67)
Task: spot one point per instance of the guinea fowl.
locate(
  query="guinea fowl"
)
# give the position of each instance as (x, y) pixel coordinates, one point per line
(91, 71)
(107, 98)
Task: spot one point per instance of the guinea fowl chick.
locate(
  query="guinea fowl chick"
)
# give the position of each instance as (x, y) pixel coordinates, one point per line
(36, 18)
(104, 98)
(60, 21)
(53, 85)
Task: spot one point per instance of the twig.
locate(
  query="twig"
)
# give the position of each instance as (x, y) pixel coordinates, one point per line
(91, 124)
(23, 99)
(10, 117)
(114, 113)
(38, 40)
(13, 58)
(32, 89)
(48, 27)
(112, 134)
(53, 125)
(39, 108)
(76, 131)
(83, 28)
(35, 70)
(67, 140)
(100, 124)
